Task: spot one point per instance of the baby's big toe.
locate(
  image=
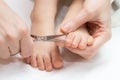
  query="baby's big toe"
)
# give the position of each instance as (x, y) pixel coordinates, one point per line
(57, 60)
(58, 64)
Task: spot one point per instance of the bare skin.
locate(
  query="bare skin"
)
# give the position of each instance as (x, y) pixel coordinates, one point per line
(80, 38)
(14, 34)
(46, 55)
(98, 19)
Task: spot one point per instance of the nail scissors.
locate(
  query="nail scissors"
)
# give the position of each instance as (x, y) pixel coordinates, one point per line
(52, 38)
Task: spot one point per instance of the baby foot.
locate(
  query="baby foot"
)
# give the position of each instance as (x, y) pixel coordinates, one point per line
(46, 56)
(79, 38)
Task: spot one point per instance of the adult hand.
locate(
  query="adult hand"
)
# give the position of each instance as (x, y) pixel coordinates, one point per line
(96, 13)
(14, 35)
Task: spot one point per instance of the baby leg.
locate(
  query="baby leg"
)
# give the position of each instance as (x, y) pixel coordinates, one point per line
(79, 38)
(46, 55)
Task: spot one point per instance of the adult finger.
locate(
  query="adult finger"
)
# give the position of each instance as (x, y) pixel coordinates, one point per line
(26, 44)
(13, 44)
(4, 51)
(98, 42)
(83, 17)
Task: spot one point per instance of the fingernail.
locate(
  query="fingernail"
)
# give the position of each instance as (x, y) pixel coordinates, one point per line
(66, 27)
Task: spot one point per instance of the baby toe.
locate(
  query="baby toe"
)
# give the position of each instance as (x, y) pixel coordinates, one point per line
(40, 63)
(90, 41)
(83, 43)
(76, 42)
(69, 39)
(33, 60)
(47, 63)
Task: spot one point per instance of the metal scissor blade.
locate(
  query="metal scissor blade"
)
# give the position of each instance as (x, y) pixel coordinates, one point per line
(47, 38)
(54, 36)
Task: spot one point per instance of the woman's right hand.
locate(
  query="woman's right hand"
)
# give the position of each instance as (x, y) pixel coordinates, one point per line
(96, 13)
(14, 35)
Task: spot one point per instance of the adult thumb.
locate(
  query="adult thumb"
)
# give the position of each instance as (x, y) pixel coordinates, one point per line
(76, 22)
(26, 46)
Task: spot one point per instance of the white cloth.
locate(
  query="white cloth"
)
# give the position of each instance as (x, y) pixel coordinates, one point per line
(105, 66)
(116, 19)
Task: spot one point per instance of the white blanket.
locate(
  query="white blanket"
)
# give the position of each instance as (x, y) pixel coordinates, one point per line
(105, 66)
